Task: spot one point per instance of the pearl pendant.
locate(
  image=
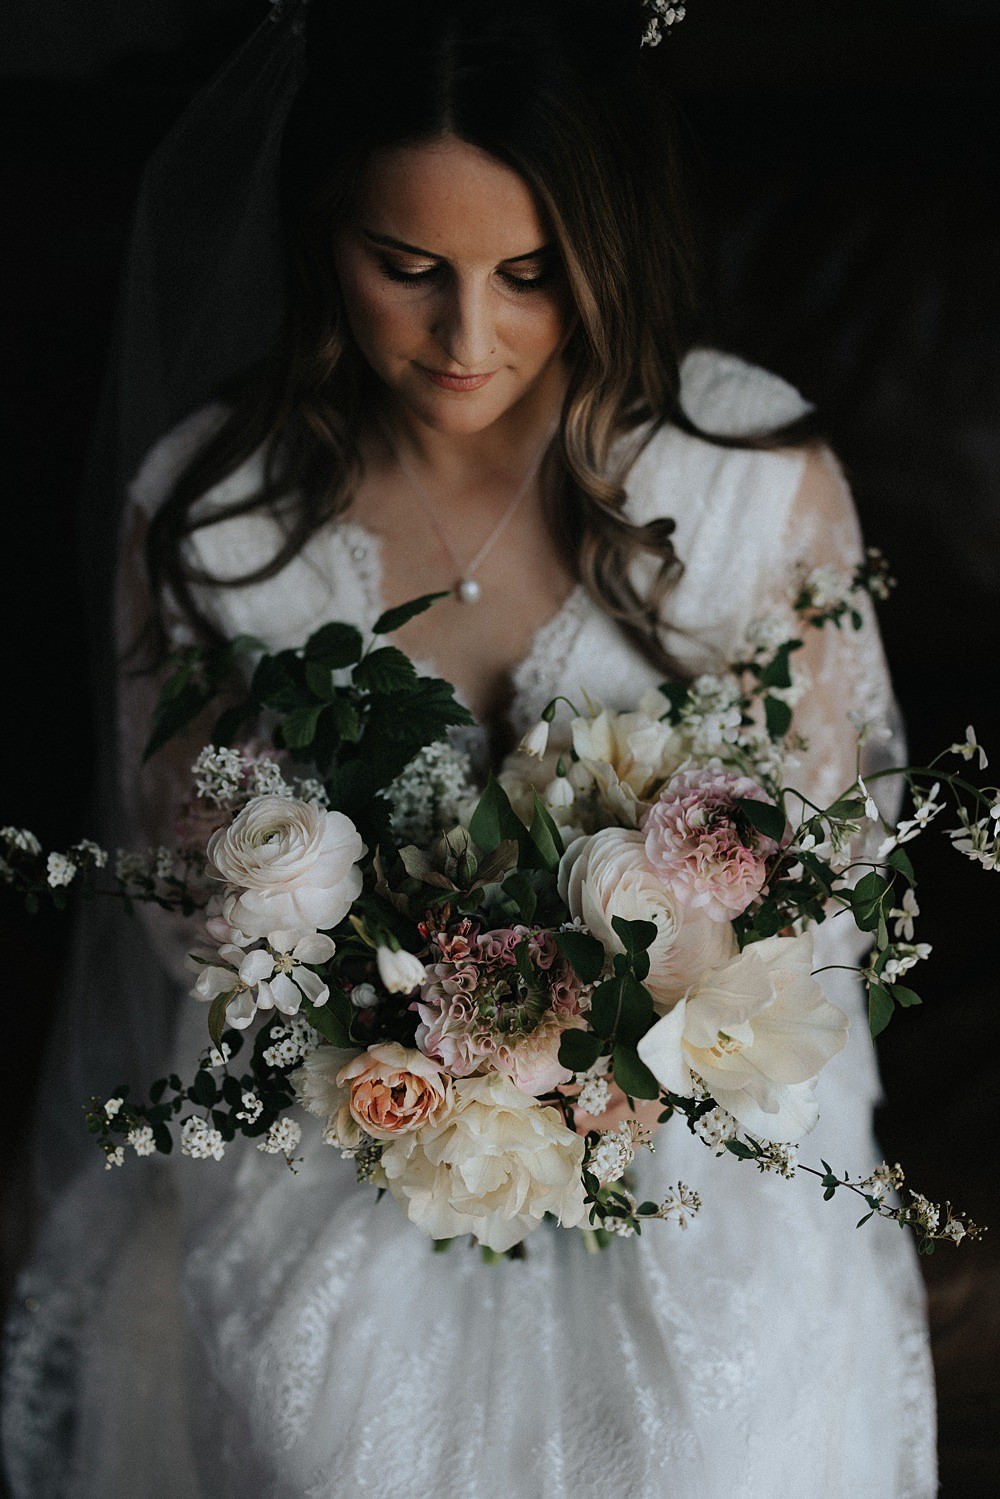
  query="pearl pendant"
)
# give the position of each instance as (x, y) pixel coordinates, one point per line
(468, 591)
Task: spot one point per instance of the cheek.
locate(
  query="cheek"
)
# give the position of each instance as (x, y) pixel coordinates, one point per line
(380, 324)
(538, 330)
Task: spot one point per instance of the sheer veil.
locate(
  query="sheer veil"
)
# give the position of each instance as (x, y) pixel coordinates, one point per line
(201, 301)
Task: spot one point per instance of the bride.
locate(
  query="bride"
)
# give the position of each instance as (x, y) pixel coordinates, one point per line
(485, 382)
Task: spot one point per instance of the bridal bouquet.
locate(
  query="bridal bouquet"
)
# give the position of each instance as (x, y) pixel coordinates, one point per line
(490, 998)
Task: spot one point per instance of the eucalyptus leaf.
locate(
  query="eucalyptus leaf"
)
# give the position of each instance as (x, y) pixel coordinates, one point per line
(584, 954)
(632, 1075)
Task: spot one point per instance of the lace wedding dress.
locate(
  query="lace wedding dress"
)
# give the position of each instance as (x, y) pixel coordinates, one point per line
(191, 1328)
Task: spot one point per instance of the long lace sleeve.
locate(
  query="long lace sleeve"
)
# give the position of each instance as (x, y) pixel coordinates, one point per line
(844, 677)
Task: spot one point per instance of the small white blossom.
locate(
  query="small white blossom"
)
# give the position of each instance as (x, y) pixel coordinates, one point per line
(141, 1140)
(594, 1096)
(926, 1215)
(216, 1058)
(60, 870)
(282, 1138)
(783, 1160)
(219, 774)
(92, 852)
(251, 1110)
(883, 1180)
(131, 867)
(905, 956)
(905, 915)
(955, 1230)
(312, 790)
(115, 1157)
(536, 740)
(871, 806)
(200, 1141)
(364, 996)
(559, 794)
(681, 1205)
(970, 747)
(163, 863)
(112, 1106)
(716, 1127)
(265, 779)
(615, 1150)
(431, 792)
(290, 1043)
(21, 838)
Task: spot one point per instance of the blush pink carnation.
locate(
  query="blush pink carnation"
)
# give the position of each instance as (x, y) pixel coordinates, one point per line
(700, 846)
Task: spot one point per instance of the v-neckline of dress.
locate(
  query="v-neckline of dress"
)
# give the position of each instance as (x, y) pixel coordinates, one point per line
(547, 652)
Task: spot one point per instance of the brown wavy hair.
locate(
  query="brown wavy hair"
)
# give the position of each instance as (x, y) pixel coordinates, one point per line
(560, 91)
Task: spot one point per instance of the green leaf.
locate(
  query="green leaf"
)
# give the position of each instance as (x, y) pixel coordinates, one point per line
(344, 717)
(579, 1050)
(676, 695)
(319, 680)
(868, 901)
(337, 645)
(635, 936)
(900, 859)
(326, 1020)
(520, 889)
(584, 954)
(203, 1089)
(386, 670)
(636, 1015)
(216, 1020)
(395, 619)
(778, 672)
(880, 1008)
(904, 996)
(764, 816)
(493, 868)
(777, 716)
(632, 1075)
(604, 1006)
(298, 728)
(545, 835)
(494, 819)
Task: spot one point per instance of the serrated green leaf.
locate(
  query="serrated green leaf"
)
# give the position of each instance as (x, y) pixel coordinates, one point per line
(387, 671)
(395, 619)
(880, 1008)
(579, 1050)
(632, 1075)
(319, 680)
(337, 645)
(298, 728)
(764, 816)
(584, 954)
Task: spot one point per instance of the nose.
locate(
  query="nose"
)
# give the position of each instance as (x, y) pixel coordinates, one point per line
(464, 326)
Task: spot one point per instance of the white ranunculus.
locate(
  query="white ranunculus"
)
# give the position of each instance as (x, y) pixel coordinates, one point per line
(493, 1166)
(608, 874)
(288, 864)
(758, 1031)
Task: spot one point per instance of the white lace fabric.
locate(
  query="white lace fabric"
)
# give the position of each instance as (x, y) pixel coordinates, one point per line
(225, 1329)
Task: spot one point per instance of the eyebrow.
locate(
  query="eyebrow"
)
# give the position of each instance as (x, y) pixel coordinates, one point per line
(388, 243)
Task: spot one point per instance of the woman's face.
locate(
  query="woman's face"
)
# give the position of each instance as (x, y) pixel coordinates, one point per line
(453, 287)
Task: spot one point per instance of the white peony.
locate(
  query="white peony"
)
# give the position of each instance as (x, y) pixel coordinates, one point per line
(492, 1167)
(608, 874)
(289, 865)
(758, 1031)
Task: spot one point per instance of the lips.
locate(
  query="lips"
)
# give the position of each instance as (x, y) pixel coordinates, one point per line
(445, 381)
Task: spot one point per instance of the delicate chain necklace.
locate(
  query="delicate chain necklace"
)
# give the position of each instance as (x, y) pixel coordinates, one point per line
(466, 589)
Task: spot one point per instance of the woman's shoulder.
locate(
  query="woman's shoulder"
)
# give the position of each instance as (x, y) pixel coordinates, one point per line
(167, 459)
(725, 395)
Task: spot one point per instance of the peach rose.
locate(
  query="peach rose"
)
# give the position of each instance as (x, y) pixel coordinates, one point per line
(394, 1090)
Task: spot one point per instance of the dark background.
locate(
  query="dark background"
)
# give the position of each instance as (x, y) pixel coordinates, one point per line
(847, 167)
